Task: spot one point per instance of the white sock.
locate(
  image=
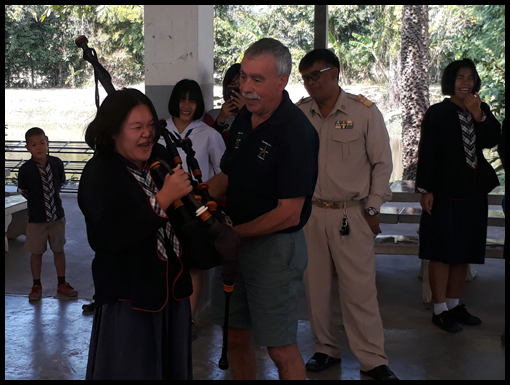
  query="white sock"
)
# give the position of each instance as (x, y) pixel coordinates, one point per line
(451, 302)
(439, 308)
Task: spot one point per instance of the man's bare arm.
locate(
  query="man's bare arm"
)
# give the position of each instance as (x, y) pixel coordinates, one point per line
(283, 216)
(218, 185)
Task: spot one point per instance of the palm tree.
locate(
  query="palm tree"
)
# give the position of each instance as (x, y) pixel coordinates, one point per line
(415, 82)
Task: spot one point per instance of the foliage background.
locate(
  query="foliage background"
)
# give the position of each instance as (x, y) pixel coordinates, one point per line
(40, 50)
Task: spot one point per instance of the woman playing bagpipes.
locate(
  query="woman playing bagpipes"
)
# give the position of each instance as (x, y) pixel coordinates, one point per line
(142, 321)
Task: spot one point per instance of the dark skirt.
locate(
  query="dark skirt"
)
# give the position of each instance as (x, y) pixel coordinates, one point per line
(128, 344)
(456, 232)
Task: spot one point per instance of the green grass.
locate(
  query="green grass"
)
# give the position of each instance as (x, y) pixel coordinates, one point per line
(65, 113)
(62, 113)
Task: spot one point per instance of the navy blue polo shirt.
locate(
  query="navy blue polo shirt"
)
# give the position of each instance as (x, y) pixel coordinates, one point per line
(30, 181)
(276, 160)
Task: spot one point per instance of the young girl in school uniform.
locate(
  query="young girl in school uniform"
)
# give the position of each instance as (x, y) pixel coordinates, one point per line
(186, 108)
(454, 179)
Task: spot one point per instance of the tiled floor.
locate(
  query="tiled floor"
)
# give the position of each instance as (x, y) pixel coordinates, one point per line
(49, 340)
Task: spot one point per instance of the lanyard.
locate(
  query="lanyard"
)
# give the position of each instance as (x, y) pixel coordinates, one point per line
(177, 138)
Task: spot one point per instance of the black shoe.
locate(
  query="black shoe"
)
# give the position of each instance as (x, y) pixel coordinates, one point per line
(320, 362)
(381, 372)
(446, 322)
(460, 313)
(88, 308)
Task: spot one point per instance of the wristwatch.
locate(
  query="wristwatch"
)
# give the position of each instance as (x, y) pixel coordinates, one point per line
(371, 211)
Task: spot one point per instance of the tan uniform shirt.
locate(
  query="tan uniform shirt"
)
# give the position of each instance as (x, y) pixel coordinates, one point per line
(354, 154)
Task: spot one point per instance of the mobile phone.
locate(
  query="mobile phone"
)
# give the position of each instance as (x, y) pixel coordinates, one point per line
(230, 95)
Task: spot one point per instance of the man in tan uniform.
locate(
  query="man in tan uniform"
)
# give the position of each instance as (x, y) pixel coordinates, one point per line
(354, 170)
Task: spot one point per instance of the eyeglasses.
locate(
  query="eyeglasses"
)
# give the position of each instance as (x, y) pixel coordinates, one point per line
(315, 75)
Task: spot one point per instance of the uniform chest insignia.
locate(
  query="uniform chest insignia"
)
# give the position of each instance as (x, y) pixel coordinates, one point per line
(263, 151)
(238, 140)
(344, 124)
(365, 101)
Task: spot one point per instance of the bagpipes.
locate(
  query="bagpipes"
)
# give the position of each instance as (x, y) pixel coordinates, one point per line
(206, 236)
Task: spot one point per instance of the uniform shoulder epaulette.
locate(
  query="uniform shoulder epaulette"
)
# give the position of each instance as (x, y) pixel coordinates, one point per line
(304, 100)
(365, 101)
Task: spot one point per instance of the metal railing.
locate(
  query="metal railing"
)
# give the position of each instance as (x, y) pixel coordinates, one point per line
(72, 168)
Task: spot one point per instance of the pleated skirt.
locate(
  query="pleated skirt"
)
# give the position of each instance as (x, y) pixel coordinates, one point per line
(456, 232)
(128, 344)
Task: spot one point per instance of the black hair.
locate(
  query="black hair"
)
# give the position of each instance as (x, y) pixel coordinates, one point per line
(186, 88)
(319, 54)
(450, 75)
(112, 114)
(232, 73)
(32, 132)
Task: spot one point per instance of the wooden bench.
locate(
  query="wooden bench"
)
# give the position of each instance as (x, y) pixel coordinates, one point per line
(403, 191)
(389, 214)
(413, 214)
(409, 245)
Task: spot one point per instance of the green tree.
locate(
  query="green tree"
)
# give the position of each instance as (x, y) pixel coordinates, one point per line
(235, 28)
(484, 42)
(370, 46)
(40, 50)
(479, 35)
(36, 53)
(120, 34)
(115, 32)
(343, 21)
(293, 26)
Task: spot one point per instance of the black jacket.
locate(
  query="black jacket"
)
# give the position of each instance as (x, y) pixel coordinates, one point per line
(30, 182)
(442, 167)
(122, 230)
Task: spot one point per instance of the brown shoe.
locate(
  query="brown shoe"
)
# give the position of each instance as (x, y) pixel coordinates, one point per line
(67, 290)
(36, 293)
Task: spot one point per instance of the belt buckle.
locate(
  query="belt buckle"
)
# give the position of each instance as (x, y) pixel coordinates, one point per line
(329, 205)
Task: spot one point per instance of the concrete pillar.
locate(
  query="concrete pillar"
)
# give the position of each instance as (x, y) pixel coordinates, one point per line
(179, 42)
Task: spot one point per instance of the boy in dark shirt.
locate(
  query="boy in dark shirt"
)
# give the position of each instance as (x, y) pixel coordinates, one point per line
(39, 181)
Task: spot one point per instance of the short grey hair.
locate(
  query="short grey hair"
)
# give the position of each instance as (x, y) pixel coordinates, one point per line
(280, 53)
